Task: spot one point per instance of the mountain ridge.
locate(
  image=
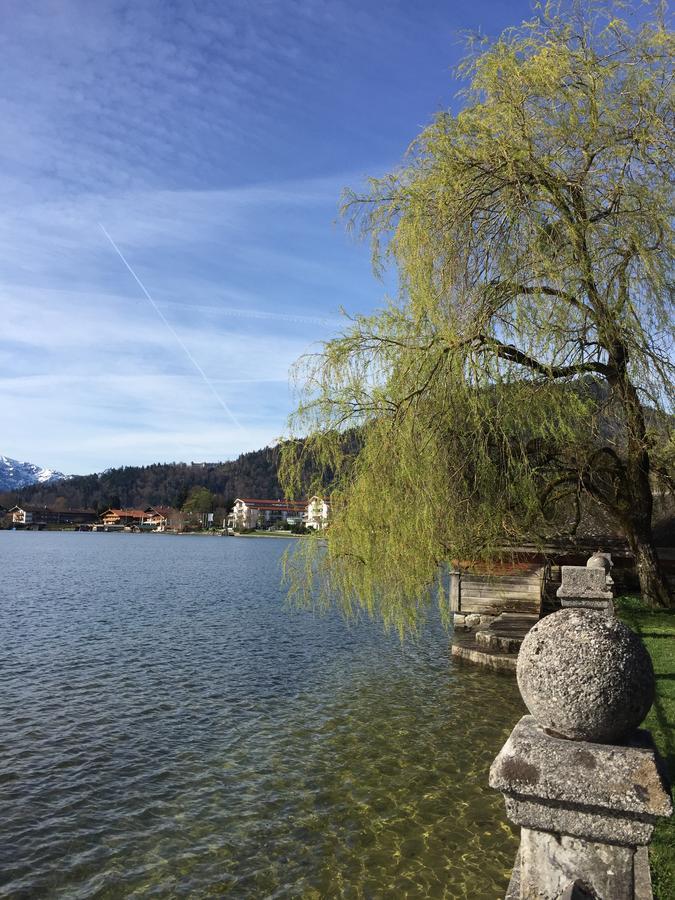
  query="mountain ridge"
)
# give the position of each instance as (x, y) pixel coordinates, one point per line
(15, 474)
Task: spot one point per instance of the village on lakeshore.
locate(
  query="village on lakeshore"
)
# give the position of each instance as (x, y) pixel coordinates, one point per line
(247, 515)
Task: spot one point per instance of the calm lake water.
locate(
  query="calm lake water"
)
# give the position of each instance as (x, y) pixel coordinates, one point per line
(168, 728)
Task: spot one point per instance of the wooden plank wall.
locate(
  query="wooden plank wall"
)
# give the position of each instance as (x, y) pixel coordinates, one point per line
(492, 595)
(519, 586)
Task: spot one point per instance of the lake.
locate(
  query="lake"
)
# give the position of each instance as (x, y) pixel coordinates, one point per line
(169, 728)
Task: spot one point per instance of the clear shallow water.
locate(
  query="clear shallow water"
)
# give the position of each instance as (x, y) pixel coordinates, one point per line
(169, 729)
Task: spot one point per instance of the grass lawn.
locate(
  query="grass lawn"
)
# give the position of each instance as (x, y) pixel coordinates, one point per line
(657, 630)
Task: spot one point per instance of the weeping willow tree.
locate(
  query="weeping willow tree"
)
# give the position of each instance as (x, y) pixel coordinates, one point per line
(524, 366)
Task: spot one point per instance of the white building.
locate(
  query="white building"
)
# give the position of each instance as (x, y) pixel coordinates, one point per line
(21, 515)
(318, 513)
(250, 513)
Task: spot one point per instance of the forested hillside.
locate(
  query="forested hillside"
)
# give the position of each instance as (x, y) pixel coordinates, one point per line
(250, 475)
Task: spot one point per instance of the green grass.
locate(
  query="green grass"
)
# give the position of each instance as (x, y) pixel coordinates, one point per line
(656, 627)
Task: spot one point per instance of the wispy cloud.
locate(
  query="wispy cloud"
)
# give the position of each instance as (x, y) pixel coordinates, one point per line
(72, 311)
(212, 139)
(121, 94)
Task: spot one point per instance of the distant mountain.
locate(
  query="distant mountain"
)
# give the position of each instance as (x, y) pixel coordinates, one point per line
(15, 474)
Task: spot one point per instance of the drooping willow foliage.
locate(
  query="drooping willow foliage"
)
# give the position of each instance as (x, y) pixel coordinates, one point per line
(532, 237)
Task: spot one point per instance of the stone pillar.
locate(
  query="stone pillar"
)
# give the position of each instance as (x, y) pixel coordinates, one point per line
(589, 586)
(583, 783)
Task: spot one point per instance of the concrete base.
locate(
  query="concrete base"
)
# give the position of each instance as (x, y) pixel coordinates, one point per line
(642, 876)
(587, 812)
(513, 890)
(496, 643)
(641, 882)
(473, 653)
(606, 606)
(502, 643)
(553, 864)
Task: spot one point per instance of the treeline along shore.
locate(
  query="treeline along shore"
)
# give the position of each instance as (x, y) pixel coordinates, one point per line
(252, 474)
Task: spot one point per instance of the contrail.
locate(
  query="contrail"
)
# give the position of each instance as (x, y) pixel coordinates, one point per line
(260, 314)
(173, 332)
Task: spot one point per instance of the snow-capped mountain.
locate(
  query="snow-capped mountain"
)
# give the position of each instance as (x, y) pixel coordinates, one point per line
(15, 474)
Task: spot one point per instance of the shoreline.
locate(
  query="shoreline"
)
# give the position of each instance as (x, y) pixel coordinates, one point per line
(214, 533)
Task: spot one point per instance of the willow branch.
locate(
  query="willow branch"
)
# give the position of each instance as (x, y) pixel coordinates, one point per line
(513, 354)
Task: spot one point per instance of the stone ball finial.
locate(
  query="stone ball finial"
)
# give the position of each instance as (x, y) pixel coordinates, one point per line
(600, 560)
(585, 676)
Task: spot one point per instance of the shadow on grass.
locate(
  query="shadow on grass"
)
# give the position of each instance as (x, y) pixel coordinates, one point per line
(661, 708)
(656, 627)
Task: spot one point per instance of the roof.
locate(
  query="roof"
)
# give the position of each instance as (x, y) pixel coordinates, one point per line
(161, 510)
(273, 504)
(125, 513)
(49, 509)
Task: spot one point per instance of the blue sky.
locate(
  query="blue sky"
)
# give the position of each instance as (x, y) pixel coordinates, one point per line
(212, 141)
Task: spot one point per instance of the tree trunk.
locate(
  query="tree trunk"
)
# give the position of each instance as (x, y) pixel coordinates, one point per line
(637, 500)
(653, 585)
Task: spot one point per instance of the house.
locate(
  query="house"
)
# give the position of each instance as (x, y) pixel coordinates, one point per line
(152, 518)
(161, 518)
(121, 518)
(318, 512)
(26, 515)
(39, 516)
(253, 513)
(23, 515)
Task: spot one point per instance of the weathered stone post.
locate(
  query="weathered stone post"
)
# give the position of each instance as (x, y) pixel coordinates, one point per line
(584, 785)
(589, 586)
